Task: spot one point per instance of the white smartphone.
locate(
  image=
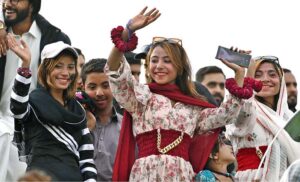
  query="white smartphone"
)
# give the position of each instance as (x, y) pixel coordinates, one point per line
(234, 57)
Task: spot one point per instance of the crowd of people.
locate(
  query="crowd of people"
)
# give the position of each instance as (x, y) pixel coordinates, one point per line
(64, 118)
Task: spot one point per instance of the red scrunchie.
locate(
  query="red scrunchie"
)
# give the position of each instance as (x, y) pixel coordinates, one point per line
(255, 84)
(240, 92)
(121, 45)
(26, 72)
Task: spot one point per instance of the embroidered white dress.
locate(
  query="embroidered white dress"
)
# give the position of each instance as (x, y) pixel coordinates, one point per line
(152, 111)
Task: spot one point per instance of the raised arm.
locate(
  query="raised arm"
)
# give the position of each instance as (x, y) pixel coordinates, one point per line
(234, 108)
(124, 88)
(238, 70)
(19, 95)
(140, 21)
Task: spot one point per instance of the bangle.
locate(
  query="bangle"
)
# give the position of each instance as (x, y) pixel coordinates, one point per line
(255, 84)
(244, 92)
(129, 30)
(25, 72)
(121, 45)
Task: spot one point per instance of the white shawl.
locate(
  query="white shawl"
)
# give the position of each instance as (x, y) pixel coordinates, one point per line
(283, 147)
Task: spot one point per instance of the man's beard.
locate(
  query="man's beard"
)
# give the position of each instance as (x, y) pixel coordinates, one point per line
(219, 99)
(21, 16)
(292, 102)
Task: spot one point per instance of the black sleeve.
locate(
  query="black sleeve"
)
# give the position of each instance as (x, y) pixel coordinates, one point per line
(86, 153)
(20, 96)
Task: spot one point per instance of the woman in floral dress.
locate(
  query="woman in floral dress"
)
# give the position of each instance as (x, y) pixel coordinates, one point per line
(167, 112)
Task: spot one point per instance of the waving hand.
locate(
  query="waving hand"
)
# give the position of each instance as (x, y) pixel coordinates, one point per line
(21, 49)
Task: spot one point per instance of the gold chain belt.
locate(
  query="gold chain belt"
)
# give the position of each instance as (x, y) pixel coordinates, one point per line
(170, 146)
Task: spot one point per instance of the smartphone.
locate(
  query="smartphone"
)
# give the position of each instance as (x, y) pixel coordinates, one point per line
(234, 57)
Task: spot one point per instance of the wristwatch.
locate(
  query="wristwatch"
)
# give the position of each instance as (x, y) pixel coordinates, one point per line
(2, 25)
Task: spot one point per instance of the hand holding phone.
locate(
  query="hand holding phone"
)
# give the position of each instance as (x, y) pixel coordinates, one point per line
(240, 59)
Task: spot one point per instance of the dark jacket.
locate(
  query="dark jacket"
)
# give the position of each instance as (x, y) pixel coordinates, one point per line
(49, 33)
(50, 137)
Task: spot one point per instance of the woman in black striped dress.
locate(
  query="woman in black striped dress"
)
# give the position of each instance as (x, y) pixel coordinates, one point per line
(50, 125)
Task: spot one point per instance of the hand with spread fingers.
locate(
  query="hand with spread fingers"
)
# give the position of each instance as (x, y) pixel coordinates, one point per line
(125, 39)
(20, 48)
(143, 19)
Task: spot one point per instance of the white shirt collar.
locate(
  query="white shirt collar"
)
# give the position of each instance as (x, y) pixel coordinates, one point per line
(34, 30)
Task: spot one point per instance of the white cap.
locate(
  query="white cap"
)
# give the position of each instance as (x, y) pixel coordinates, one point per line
(53, 49)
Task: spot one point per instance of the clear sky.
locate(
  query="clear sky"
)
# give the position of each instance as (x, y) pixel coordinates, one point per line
(267, 27)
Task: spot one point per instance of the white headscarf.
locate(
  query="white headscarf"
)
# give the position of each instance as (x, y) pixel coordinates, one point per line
(284, 149)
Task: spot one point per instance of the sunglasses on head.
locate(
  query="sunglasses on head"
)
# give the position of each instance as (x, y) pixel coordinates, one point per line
(269, 58)
(156, 40)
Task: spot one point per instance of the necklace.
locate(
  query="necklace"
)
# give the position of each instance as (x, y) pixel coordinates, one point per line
(223, 174)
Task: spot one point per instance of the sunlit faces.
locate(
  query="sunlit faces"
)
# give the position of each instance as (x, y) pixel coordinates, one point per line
(63, 73)
(292, 91)
(97, 87)
(14, 14)
(161, 68)
(215, 82)
(267, 73)
(136, 71)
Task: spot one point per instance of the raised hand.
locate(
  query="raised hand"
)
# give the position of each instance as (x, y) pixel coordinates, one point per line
(20, 48)
(143, 19)
(239, 71)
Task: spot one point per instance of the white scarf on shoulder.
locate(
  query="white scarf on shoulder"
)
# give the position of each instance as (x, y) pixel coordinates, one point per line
(284, 150)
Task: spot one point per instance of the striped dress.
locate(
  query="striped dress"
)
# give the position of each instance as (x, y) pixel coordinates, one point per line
(50, 137)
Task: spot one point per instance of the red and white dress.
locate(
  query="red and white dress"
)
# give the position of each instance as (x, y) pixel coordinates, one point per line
(152, 111)
(253, 132)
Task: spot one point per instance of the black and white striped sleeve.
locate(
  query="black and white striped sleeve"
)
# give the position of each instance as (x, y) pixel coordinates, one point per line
(86, 153)
(20, 96)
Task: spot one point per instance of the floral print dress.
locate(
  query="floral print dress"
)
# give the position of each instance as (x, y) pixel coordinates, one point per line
(252, 130)
(152, 111)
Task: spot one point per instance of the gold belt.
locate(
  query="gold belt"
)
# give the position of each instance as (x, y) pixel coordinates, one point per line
(170, 146)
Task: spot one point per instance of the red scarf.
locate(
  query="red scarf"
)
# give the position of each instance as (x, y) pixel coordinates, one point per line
(200, 147)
